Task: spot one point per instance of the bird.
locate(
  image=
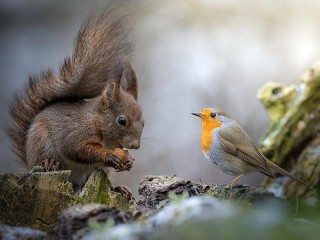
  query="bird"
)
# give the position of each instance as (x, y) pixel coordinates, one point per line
(230, 148)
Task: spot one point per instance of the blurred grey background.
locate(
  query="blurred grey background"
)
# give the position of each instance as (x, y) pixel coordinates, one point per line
(190, 54)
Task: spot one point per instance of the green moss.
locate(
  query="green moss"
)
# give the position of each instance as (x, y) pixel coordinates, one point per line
(308, 167)
(276, 97)
(119, 201)
(36, 199)
(221, 193)
(294, 114)
(96, 189)
(103, 191)
(292, 140)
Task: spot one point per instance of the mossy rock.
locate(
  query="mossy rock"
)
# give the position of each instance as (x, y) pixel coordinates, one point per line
(292, 140)
(294, 111)
(308, 167)
(157, 191)
(36, 199)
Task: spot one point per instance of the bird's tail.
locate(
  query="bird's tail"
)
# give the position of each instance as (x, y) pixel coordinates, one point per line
(278, 170)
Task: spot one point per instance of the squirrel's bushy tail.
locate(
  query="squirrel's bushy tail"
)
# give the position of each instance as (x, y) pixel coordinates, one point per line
(102, 41)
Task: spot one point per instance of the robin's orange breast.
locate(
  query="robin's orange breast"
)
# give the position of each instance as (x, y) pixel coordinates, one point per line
(207, 133)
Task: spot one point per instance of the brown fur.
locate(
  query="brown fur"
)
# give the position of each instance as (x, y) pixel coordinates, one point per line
(72, 116)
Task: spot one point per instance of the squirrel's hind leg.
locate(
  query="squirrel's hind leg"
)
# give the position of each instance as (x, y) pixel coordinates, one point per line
(39, 148)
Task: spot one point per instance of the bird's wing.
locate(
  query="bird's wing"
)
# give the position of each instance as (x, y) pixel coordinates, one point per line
(237, 142)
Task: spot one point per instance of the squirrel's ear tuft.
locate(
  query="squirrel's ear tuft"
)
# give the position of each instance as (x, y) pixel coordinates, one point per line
(110, 94)
(129, 81)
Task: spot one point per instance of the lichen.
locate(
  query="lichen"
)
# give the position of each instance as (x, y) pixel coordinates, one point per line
(156, 191)
(36, 199)
(98, 190)
(292, 140)
(204, 217)
(276, 97)
(95, 190)
(308, 167)
(294, 111)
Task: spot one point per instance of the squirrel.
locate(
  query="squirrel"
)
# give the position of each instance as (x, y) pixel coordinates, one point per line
(73, 120)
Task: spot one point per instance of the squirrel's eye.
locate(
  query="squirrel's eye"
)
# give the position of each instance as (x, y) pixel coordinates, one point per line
(122, 121)
(213, 115)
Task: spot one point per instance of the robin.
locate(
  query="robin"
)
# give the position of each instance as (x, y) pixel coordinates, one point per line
(231, 149)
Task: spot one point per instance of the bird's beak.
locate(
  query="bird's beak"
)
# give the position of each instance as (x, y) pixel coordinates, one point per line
(197, 114)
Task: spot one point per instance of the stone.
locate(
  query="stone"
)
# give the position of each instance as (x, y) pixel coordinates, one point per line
(78, 220)
(36, 199)
(292, 140)
(21, 233)
(160, 190)
(294, 111)
(204, 217)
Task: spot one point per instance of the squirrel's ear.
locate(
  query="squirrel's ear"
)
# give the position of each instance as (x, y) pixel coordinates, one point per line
(110, 94)
(129, 81)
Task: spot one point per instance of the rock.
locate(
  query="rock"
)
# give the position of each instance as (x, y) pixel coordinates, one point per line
(294, 111)
(170, 208)
(36, 199)
(20, 233)
(308, 166)
(78, 222)
(243, 193)
(157, 191)
(75, 221)
(204, 217)
(98, 190)
(277, 98)
(292, 140)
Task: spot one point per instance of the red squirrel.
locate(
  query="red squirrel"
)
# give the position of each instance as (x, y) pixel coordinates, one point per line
(74, 119)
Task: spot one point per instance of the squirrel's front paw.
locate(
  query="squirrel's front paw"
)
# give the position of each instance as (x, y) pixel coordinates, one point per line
(115, 162)
(125, 157)
(50, 165)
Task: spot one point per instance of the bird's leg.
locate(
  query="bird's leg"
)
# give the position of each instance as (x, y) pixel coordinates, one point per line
(235, 180)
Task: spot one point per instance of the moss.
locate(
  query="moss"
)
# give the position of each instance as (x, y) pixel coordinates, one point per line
(96, 189)
(295, 115)
(276, 97)
(103, 191)
(36, 199)
(308, 167)
(221, 193)
(156, 191)
(119, 201)
(292, 140)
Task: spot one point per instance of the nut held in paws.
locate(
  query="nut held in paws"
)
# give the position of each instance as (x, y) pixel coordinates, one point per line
(121, 153)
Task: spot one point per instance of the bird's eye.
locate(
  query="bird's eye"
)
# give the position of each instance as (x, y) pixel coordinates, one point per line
(213, 115)
(122, 121)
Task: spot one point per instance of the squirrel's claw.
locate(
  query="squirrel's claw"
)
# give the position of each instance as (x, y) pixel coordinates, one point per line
(115, 162)
(50, 165)
(124, 160)
(118, 164)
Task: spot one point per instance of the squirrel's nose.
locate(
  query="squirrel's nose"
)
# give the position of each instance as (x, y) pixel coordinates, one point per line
(135, 145)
